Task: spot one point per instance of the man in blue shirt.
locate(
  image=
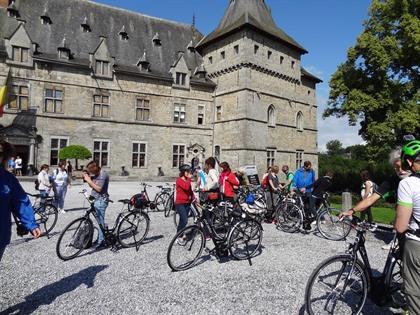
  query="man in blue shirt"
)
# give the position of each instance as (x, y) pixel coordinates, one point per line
(304, 178)
(13, 199)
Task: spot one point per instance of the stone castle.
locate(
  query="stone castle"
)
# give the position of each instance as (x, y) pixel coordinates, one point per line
(144, 92)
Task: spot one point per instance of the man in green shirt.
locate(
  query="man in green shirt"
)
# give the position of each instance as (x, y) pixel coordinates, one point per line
(289, 178)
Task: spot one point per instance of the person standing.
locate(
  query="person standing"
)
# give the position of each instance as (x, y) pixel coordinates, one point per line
(212, 178)
(321, 186)
(289, 178)
(184, 195)
(62, 182)
(408, 221)
(273, 188)
(227, 182)
(13, 199)
(99, 184)
(304, 178)
(69, 169)
(11, 165)
(18, 166)
(44, 184)
(366, 192)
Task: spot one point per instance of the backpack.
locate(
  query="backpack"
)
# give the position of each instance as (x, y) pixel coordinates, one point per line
(264, 182)
(36, 184)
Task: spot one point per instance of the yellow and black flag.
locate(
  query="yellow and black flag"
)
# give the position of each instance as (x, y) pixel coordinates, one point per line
(3, 93)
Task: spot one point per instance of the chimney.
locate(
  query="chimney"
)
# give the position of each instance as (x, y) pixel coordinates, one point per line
(4, 3)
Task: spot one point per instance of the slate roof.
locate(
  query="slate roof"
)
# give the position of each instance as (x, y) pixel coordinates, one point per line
(251, 13)
(310, 76)
(67, 17)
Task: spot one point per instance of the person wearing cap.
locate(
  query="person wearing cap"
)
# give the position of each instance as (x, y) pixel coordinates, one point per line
(13, 199)
(184, 195)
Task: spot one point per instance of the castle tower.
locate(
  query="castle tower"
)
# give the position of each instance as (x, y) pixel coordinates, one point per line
(265, 102)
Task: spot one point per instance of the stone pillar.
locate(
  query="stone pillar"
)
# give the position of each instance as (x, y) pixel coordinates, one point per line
(31, 160)
(346, 201)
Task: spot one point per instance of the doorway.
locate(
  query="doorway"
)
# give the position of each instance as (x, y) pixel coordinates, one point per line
(23, 152)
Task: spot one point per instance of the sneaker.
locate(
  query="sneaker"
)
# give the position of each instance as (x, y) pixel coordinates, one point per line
(181, 241)
(101, 245)
(62, 211)
(373, 227)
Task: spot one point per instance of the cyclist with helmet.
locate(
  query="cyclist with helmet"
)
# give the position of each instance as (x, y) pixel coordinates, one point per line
(408, 221)
(184, 195)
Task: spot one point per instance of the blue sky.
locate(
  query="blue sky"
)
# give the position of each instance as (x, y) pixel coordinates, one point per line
(326, 28)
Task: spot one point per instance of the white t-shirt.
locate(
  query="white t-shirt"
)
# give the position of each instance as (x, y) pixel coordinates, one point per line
(44, 181)
(212, 180)
(362, 193)
(18, 164)
(61, 178)
(409, 195)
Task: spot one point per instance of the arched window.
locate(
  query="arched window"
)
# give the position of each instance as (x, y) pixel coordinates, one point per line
(271, 119)
(299, 121)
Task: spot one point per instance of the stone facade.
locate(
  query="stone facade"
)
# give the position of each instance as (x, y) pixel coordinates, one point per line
(244, 98)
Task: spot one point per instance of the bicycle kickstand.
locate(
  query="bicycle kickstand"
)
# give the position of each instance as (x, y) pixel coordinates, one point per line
(249, 256)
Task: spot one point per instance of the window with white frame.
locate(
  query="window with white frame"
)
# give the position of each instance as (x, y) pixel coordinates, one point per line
(19, 97)
(53, 101)
(142, 109)
(200, 116)
(139, 154)
(178, 155)
(20, 54)
(299, 159)
(179, 113)
(299, 121)
(101, 106)
(101, 152)
(102, 67)
(180, 78)
(271, 157)
(56, 145)
(271, 117)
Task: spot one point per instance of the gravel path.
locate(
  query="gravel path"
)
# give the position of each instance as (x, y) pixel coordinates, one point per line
(34, 280)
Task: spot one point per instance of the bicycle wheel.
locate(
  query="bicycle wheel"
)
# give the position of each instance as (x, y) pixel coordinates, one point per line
(132, 229)
(289, 217)
(330, 226)
(169, 205)
(74, 238)
(337, 286)
(160, 201)
(245, 239)
(46, 219)
(185, 248)
(394, 283)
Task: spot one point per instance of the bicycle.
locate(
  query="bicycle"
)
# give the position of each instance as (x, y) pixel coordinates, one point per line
(46, 215)
(242, 241)
(160, 200)
(130, 229)
(162, 196)
(292, 215)
(170, 203)
(345, 280)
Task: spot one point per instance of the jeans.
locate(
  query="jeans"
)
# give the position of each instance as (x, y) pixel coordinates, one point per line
(100, 206)
(2, 249)
(184, 212)
(43, 198)
(61, 195)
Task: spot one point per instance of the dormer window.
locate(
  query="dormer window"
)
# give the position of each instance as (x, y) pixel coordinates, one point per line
(156, 40)
(102, 68)
(45, 19)
(143, 63)
(20, 54)
(190, 47)
(85, 26)
(123, 34)
(63, 54)
(180, 78)
(12, 11)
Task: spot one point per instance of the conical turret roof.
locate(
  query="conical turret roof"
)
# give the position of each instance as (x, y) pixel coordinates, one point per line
(251, 13)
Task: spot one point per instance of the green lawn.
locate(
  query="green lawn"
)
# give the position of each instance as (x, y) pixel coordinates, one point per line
(382, 215)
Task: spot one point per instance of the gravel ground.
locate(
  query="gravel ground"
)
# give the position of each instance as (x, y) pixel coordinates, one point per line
(34, 280)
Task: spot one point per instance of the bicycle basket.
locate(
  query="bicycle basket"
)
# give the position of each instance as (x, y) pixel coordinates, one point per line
(81, 238)
(138, 201)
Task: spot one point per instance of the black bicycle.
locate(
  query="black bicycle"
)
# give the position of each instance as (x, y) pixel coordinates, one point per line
(130, 229)
(161, 198)
(341, 284)
(242, 241)
(46, 213)
(170, 203)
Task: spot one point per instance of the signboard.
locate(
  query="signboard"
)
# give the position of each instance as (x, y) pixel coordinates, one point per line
(252, 174)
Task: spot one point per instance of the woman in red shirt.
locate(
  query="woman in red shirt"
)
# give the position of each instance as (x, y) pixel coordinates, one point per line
(227, 182)
(184, 195)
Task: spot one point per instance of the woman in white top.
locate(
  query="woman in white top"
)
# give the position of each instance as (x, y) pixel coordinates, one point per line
(212, 178)
(44, 184)
(62, 181)
(367, 191)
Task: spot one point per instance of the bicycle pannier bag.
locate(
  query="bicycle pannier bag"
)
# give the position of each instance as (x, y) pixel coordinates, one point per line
(81, 238)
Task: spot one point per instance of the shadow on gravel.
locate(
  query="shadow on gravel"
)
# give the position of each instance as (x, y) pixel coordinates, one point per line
(151, 239)
(75, 209)
(49, 293)
(29, 239)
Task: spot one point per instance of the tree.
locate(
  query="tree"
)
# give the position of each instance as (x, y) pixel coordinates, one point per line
(77, 152)
(378, 85)
(334, 148)
(357, 152)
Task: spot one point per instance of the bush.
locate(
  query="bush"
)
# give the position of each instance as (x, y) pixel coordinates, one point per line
(77, 152)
